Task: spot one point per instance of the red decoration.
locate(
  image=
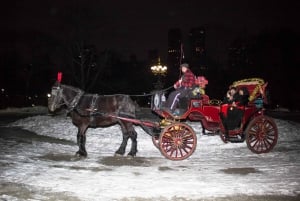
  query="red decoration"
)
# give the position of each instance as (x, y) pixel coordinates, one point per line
(201, 81)
(59, 76)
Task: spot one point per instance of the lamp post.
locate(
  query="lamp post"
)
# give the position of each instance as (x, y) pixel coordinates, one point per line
(159, 70)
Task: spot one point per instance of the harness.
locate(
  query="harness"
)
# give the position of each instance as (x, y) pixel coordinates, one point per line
(75, 101)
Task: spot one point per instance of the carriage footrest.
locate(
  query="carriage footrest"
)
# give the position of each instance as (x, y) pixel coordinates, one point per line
(236, 139)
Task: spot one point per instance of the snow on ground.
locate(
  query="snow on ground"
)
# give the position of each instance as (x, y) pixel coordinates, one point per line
(44, 163)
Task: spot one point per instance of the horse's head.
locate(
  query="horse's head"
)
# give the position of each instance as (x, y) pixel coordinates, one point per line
(55, 100)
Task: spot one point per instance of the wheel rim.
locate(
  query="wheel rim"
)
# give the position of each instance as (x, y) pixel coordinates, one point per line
(177, 141)
(155, 140)
(262, 134)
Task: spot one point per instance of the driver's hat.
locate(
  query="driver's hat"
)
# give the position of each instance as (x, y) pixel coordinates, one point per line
(184, 65)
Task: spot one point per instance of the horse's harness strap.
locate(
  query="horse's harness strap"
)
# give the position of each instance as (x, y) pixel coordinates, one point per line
(94, 101)
(76, 99)
(93, 107)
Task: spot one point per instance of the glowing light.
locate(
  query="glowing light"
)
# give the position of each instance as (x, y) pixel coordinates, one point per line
(159, 69)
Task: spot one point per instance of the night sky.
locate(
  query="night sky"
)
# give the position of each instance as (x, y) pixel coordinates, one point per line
(135, 26)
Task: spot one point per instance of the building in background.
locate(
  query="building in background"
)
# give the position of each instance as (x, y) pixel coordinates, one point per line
(174, 49)
(197, 49)
(192, 51)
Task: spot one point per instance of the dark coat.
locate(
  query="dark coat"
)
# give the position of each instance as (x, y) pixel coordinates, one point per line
(242, 100)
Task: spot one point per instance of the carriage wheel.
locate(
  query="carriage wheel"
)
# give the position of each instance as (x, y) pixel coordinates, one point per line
(155, 140)
(261, 134)
(177, 141)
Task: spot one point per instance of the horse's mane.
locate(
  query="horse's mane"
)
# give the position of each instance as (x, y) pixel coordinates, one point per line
(72, 88)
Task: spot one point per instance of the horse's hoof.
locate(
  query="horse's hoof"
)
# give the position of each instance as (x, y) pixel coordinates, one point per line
(130, 155)
(118, 155)
(81, 154)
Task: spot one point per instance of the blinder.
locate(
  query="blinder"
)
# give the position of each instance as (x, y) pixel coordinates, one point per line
(55, 91)
(55, 98)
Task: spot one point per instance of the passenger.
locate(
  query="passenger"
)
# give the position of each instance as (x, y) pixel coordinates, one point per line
(235, 111)
(230, 95)
(242, 98)
(182, 88)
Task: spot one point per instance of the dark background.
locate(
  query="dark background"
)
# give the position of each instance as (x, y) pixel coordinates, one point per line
(40, 38)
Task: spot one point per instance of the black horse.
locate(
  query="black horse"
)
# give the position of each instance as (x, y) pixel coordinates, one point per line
(92, 111)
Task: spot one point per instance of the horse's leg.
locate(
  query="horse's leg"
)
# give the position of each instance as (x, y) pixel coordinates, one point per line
(133, 137)
(81, 139)
(123, 145)
(128, 132)
(127, 129)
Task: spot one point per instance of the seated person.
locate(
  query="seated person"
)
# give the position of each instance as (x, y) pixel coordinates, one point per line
(182, 88)
(242, 98)
(230, 95)
(235, 110)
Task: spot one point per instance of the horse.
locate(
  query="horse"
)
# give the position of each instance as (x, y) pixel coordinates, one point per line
(92, 111)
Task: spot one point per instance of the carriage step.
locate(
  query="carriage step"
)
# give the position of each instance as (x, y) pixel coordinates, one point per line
(236, 139)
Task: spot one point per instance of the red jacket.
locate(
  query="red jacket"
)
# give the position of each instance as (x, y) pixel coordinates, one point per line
(188, 80)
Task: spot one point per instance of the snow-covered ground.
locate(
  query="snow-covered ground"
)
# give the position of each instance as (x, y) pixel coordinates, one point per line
(41, 164)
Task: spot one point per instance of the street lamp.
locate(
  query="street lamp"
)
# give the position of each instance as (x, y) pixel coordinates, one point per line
(159, 70)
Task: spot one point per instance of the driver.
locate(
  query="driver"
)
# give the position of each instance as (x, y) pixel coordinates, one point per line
(182, 88)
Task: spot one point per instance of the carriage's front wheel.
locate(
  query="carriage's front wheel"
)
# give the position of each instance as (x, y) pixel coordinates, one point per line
(261, 134)
(155, 140)
(177, 141)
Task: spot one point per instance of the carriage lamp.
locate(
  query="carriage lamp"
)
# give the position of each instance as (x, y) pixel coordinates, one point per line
(159, 69)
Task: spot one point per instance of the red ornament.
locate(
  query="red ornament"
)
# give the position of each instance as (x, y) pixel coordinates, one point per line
(59, 76)
(201, 81)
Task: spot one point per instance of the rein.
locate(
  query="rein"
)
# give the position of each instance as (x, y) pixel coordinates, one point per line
(141, 95)
(121, 116)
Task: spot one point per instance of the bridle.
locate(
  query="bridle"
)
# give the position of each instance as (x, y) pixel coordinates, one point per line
(57, 95)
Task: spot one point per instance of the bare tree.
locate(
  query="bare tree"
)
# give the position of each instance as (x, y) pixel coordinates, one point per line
(84, 69)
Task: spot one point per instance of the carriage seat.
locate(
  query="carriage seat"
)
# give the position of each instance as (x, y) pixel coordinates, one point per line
(256, 88)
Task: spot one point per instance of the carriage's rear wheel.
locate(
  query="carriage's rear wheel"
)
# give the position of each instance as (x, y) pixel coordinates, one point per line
(177, 141)
(261, 134)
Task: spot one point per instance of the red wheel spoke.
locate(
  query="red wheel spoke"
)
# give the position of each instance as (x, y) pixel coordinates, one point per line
(253, 139)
